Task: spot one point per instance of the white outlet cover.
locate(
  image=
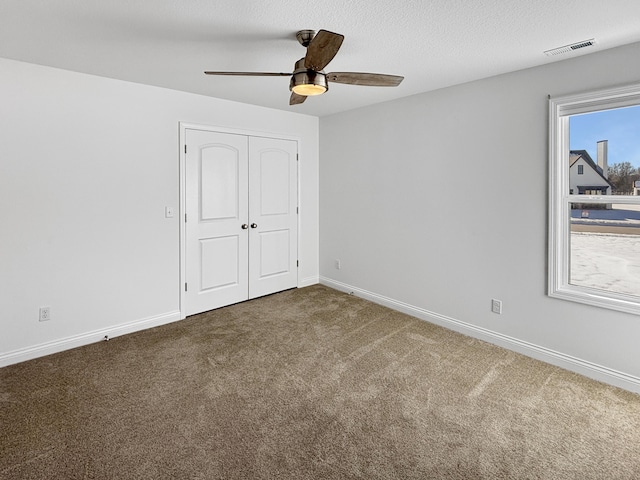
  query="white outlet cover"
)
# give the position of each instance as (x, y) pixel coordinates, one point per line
(44, 314)
(496, 306)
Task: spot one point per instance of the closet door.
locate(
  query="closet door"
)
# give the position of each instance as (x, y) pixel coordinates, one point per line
(241, 231)
(273, 200)
(216, 244)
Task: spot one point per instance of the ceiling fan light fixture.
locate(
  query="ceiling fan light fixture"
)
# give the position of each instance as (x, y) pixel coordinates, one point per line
(308, 83)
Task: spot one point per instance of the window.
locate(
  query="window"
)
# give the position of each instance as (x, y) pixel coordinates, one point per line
(594, 219)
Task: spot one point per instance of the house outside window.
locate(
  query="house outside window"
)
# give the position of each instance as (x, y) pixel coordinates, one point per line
(594, 230)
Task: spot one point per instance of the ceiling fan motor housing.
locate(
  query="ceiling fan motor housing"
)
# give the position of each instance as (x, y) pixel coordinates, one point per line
(307, 82)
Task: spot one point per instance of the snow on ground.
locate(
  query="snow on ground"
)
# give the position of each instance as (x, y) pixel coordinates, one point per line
(606, 261)
(618, 214)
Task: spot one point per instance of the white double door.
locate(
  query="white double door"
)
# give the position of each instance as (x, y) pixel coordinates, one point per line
(241, 218)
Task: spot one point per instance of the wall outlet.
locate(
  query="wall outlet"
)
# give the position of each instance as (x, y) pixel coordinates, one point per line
(45, 314)
(496, 306)
(338, 265)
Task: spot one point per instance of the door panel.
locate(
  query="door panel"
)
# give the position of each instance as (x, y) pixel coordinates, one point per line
(216, 208)
(275, 253)
(219, 183)
(274, 181)
(273, 243)
(223, 252)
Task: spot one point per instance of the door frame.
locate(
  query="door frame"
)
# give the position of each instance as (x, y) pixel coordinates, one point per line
(182, 189)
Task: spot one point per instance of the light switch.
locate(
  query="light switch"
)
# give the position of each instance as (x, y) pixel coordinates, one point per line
(168, 212)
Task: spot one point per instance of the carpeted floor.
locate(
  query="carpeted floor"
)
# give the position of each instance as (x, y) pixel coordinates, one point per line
(309, 384)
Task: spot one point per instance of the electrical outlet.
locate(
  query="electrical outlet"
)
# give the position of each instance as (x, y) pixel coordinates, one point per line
(45, 314)
(338, 264)
(496, 306)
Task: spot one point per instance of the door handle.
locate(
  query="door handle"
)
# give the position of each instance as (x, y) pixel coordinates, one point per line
(245, 226)
(253, 225)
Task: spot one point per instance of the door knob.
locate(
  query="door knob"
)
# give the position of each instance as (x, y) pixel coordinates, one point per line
(253, 225)
(245, 226)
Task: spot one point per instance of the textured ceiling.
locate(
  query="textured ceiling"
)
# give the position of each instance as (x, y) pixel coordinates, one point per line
(169, 43)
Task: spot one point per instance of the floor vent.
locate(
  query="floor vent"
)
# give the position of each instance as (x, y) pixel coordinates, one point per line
(570, 48)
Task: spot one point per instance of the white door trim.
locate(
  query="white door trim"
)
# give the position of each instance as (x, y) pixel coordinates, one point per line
(183, 127)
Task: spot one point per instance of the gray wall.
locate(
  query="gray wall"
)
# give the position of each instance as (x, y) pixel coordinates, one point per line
(437, 203)
(88, 166)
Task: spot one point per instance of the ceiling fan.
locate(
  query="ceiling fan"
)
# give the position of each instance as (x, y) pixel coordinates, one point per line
(308, 77)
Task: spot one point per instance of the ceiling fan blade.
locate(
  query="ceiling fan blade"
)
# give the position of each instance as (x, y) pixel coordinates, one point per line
(322, 49)
(367, 79)
(296, 99)
(251, 74)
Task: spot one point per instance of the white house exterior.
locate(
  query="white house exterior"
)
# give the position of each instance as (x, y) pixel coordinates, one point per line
(587, 178)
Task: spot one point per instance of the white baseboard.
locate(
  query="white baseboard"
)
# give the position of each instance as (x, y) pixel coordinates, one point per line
(68, 343)
(568, 362)
(307, 282)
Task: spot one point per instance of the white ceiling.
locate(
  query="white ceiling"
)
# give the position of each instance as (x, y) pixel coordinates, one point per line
(436, 43)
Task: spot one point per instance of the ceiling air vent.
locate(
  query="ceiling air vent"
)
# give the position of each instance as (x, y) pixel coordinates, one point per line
(570, 48)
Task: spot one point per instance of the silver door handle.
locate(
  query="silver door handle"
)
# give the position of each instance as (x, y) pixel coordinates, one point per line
(253, 225)
(245, 226)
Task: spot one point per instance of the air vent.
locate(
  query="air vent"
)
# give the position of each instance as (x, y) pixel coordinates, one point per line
(570, 48)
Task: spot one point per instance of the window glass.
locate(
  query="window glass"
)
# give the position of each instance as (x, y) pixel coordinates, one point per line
(605, 248)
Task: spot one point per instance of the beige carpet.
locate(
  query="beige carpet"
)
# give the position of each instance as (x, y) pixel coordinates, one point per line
(309, 384)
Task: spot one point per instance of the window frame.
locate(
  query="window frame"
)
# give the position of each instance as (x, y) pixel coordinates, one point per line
(560, 198)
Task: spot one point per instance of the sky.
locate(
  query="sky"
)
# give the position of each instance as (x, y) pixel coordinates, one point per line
(621, 126)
